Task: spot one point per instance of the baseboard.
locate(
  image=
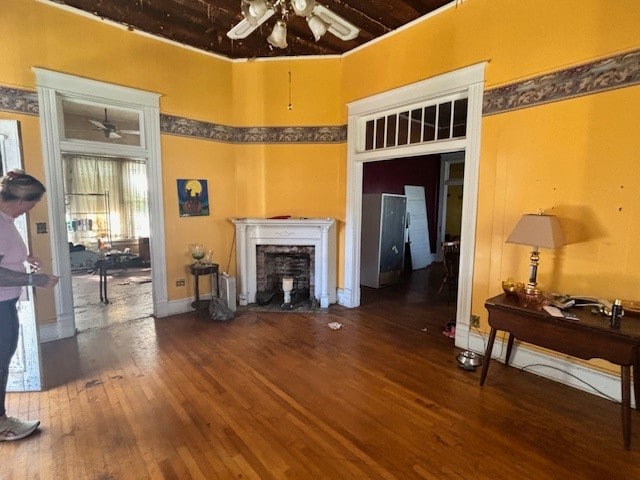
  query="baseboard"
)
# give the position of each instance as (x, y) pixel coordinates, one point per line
(555, 367)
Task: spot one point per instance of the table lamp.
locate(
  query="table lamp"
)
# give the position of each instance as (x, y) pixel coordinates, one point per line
(538, 231)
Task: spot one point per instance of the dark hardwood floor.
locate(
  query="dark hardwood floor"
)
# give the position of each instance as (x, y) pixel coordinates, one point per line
(283, 396)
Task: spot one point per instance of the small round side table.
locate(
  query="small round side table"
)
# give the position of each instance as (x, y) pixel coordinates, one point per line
(197, 270)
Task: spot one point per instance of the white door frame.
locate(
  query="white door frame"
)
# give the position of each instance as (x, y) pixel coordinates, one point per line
(469, 80)
(52, 87)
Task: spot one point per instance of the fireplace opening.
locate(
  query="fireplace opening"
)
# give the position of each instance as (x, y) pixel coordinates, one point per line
(275, 262)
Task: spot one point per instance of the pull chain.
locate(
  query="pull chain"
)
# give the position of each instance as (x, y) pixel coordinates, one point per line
(290, 106)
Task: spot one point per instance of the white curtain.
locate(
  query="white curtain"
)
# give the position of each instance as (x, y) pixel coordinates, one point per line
(106, 198)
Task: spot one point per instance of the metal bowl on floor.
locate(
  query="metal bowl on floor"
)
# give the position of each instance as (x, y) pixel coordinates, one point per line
(469, 360)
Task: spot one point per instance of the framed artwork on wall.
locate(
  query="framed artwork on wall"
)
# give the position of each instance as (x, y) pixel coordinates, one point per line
(193, 197)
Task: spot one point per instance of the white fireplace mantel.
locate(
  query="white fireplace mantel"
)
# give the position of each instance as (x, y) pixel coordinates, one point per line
(319, 233)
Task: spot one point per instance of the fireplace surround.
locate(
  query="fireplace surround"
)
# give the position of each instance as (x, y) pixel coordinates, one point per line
(319, 233)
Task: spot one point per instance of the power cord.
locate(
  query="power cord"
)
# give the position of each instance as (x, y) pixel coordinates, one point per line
(531, 366)
(233, 244)
(571, 375)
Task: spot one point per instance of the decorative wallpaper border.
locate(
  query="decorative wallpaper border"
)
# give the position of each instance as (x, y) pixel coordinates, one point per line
(608, 74)
(20, 101)
(619, 71)
(210, 131)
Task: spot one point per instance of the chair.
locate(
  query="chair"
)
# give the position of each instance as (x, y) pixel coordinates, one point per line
(451, 263)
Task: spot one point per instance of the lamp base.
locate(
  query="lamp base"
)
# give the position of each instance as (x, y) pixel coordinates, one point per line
(532, 289)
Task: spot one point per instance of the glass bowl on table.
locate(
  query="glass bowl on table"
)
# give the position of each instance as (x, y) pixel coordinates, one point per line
(197, 252)
(532, 298)
(511, 287)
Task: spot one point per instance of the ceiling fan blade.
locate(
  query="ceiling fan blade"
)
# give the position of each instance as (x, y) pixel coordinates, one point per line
(114, 134)
(129, 132)
(243, 29)
(341, 28)
(98, 124)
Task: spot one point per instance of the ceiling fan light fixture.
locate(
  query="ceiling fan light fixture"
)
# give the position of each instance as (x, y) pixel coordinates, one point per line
(319, 19)
(303, 8)
(317, 26)
(278, 37)
(254, 10)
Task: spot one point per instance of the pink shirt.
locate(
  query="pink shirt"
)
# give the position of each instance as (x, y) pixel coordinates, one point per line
(14, 253)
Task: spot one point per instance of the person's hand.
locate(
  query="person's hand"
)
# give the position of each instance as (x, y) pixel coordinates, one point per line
(45, 280)
(34, 262)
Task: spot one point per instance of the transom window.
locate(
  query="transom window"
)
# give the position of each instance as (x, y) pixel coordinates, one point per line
(429, 122)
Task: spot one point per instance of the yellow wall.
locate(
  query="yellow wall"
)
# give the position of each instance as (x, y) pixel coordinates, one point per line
(564, 157)
(567, 158)
(518, 39)
(576, 159)
(195, 86)
(261, 92)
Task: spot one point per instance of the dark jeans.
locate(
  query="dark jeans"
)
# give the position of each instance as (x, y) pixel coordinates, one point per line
(9, 330)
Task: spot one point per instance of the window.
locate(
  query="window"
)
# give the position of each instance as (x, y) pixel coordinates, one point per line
(424, 123)
(106, 198)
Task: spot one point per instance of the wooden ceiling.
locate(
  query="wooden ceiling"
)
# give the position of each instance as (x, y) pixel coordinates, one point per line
(203, 24)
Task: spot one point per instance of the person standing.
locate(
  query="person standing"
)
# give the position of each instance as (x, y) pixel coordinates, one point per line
(19, 193)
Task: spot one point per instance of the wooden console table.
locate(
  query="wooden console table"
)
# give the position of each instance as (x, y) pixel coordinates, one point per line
(589, 337)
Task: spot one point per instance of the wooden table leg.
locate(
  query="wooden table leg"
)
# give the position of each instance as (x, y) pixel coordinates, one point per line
(636, 379)
(103, 284)
(509, 348)
(626, 406)
(487, 355)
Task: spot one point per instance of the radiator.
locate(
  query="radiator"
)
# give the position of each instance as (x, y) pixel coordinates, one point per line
(228, 290)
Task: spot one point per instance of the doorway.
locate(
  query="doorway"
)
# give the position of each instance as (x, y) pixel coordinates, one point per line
(87, 117)
(367, 143)
(107, 218)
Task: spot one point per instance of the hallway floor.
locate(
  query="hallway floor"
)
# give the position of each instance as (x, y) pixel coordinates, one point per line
(129, 293)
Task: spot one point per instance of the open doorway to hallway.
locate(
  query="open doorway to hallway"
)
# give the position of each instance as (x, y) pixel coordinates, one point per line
(441, 176)
(107, 220)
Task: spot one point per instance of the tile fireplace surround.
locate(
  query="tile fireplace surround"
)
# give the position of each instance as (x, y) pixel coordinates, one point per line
(320, 233)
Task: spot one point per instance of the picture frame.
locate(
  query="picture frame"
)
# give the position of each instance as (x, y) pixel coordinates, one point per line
(193, 197)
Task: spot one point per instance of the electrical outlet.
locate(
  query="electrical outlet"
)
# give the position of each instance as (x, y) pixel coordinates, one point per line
(180, 283)
(475, 321)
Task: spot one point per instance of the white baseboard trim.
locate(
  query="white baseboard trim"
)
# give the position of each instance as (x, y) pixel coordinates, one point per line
(174, 307)
(561, 369)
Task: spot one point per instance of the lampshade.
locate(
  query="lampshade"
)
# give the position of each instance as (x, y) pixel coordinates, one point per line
(317, 26)
(278, 37)
(542, 231)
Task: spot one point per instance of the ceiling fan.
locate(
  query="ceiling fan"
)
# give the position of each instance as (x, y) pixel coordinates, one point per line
(109, 129)
(319, 19)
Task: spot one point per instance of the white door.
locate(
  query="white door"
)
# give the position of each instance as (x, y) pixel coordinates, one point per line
(24, 371)
(418, 227)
